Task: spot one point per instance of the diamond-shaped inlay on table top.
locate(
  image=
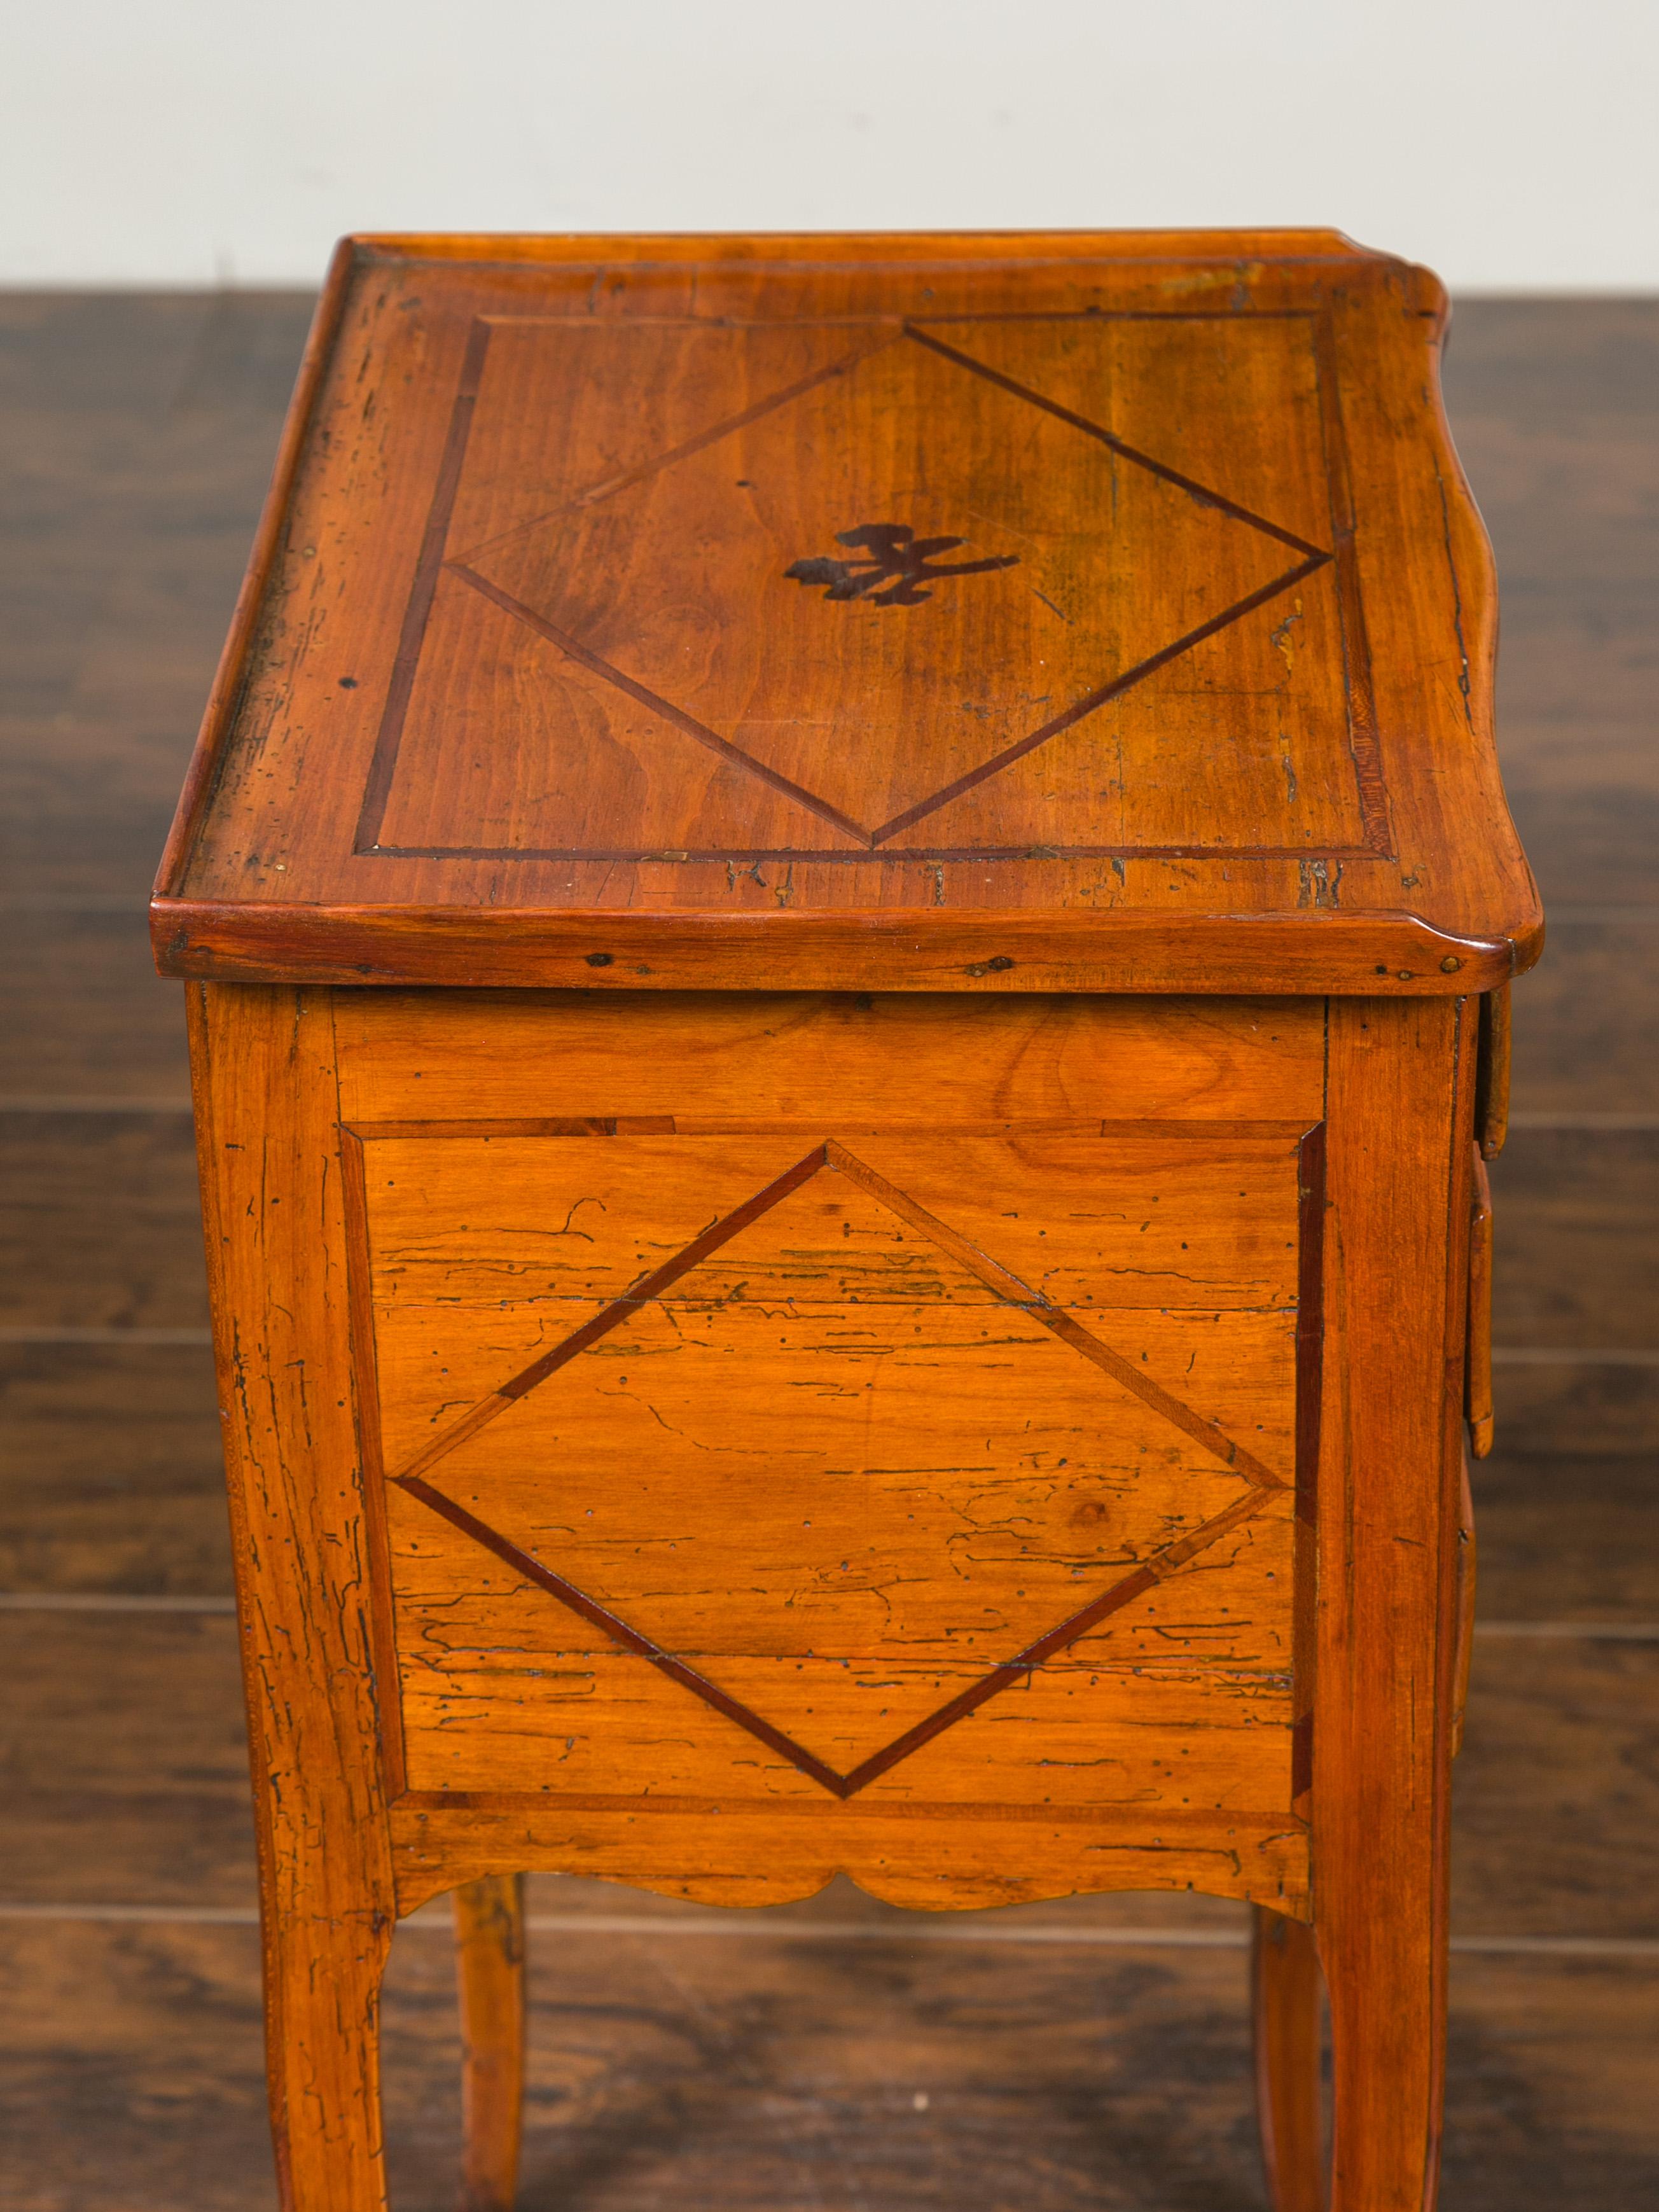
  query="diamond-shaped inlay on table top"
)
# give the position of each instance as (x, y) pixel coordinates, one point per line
(1021, 618)
(835, 1472)
(672, 625)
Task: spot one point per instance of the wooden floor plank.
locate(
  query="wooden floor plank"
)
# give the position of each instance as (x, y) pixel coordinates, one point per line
(123, 1744)
(1538, 363)
(781, 2076)
(1590, 828)
(111, 1470)
(1576, 1230)
(99, 1222)
(85, 386)
(1567, 1538)
(1555, 407)
(85, 805)
(131, 2072)
(84, 1013)
(1569, 1408)
(140, 431)
(1587, 1026)
(1552, 2088)
(1556, 1807)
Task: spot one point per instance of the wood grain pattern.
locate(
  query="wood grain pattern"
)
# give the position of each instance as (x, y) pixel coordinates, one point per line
(1286, 1990)
(490, 1961)
(100, 1223)
(1468, 1583)
(1568, 1538)
(770, 1852)
(1588, 1039)
(126, 1761)
(1557, 419)
(111, 1475)
(1569, 1406)
(992, 954)
(998, 620)
(1577, 1224)
(1401, 1112)
(667, 2076)
(83, 1015)
(810, 429)
(1561, 1748)
(416, 1055)
(265, 1124)
(1035, 1379)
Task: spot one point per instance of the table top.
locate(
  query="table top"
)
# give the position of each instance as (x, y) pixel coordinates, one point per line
(991, 611)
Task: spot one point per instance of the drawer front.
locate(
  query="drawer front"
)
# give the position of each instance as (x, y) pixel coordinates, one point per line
(822, 1401)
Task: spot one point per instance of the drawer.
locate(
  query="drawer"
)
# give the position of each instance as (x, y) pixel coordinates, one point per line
(813, 1401)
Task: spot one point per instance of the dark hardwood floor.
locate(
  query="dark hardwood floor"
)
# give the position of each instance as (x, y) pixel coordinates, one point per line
(838, 2056)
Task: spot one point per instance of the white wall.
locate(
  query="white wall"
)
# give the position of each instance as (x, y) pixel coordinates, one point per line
(1508, 142)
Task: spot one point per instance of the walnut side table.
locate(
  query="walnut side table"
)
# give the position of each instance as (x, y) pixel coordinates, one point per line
(848, 917)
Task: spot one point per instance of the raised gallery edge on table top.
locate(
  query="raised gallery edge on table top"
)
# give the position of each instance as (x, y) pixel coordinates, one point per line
(996, 612)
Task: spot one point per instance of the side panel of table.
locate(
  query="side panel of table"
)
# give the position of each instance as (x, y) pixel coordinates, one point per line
(813, 1434)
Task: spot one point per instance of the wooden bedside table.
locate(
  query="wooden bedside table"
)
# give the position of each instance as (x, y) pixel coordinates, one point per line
(849, 916)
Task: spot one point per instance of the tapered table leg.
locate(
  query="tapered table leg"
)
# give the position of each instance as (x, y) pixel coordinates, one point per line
(323, 2051)
(1285, 1989)
(489, 1962)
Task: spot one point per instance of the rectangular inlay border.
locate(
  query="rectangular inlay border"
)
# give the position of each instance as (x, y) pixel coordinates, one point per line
(1362, 744)
(839, 1788)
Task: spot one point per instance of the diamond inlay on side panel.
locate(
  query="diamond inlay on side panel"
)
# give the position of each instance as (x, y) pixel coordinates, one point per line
(869, 1432)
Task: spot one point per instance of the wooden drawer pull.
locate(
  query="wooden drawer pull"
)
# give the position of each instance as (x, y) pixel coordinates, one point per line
(1477, 1371)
